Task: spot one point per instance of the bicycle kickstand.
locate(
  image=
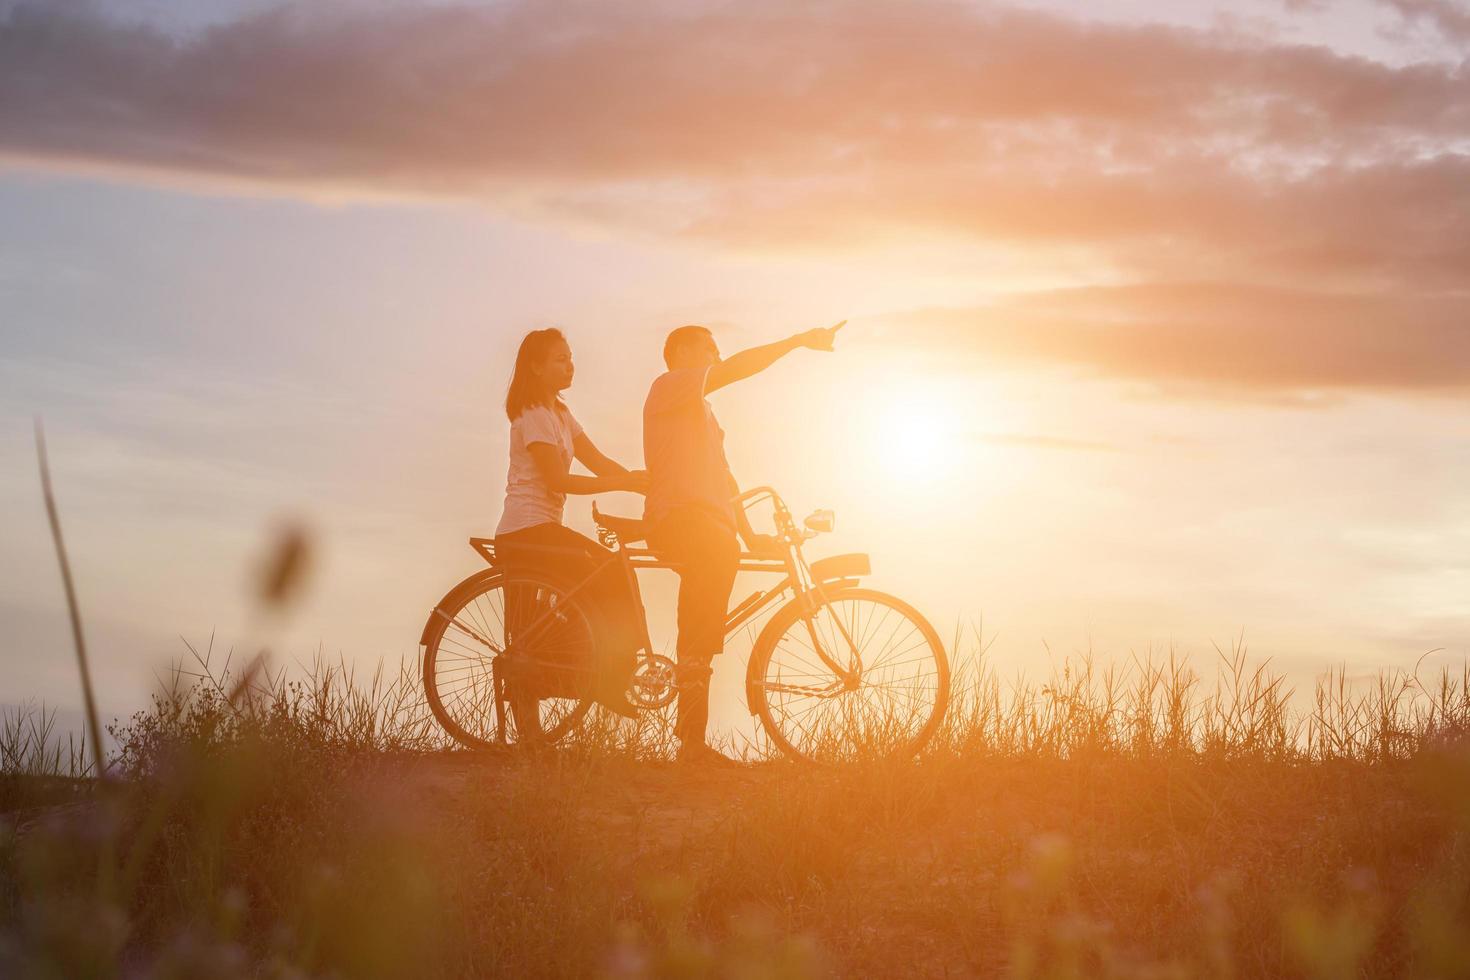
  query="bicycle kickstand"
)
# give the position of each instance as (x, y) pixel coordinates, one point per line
(497, 686)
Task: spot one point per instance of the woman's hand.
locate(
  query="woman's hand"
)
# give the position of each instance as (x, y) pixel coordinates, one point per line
(635, 481)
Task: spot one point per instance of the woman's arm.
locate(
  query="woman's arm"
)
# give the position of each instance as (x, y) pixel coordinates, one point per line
(591, 457)
(561, 480)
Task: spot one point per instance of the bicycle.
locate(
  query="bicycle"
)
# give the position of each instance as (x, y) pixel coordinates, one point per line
(510, 654)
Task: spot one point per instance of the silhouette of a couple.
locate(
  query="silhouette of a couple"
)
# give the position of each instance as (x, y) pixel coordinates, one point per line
(690, 508)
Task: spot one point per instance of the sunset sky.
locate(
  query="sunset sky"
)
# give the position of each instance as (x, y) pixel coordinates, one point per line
(1158, 311)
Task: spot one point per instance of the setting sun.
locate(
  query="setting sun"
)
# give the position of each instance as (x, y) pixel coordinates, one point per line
(916, 431)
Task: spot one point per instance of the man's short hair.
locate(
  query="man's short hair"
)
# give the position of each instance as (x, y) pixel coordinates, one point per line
(678, 337)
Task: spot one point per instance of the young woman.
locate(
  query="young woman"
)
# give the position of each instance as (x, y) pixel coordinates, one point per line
(544, 440)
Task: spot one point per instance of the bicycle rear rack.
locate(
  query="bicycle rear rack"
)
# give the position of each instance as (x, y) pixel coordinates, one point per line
(485, 548)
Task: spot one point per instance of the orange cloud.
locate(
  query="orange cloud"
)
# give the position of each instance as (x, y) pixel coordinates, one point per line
(1221, 336)
(1297, 178)
(462, 98)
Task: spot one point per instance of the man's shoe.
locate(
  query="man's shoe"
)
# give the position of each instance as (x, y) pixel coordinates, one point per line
(700, 754)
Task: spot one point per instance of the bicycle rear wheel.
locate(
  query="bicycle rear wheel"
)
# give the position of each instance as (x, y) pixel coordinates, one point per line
(880, 690)
(507, 659)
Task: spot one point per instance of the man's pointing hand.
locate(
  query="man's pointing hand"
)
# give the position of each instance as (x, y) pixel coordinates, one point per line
(821, 338)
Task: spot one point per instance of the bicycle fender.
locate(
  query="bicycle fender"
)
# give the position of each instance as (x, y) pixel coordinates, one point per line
(436, 614)
(769, 635)
(853, 566)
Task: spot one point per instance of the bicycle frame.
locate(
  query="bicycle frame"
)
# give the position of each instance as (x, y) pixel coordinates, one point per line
(796, 577)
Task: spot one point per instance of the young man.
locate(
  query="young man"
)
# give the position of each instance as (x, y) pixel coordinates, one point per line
(690, 508)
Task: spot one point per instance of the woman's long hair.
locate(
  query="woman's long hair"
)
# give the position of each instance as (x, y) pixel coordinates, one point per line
(525, 390)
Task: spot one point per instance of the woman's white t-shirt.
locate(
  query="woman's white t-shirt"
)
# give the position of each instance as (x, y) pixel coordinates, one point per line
(528, 500)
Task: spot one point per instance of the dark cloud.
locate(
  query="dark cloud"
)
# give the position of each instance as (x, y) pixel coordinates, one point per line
(1296, 177)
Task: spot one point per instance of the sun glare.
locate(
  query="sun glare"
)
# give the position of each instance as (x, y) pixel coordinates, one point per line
(916, 430)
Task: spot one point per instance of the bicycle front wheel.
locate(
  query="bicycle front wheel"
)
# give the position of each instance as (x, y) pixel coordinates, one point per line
(859, 674)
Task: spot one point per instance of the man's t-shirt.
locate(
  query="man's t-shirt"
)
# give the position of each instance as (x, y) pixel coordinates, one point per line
(528, 500)
(684, 449)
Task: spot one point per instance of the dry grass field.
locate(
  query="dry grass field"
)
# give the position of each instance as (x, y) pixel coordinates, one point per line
(1135, 823)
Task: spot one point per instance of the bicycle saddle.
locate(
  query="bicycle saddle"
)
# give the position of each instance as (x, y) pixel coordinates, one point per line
(628, 529)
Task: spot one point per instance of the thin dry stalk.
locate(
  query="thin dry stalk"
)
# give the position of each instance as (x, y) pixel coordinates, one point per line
(94, 730)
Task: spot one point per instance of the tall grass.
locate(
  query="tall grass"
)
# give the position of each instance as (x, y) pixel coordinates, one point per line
(1150, 709)
(31, 746)
(1121, 820)
(324, 705)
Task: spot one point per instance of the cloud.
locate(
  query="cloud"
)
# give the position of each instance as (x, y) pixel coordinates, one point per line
(460, 98)
(1220, 336)
(1147, 155)
(1019, 440)
(1446, 16)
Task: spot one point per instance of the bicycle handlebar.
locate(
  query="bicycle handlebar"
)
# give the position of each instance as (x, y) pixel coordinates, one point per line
(749, 497)
(785, 523)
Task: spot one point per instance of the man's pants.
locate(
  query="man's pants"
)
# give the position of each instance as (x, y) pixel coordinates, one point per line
(707, 555)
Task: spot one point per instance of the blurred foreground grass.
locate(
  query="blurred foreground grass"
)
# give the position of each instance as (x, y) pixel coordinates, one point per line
(1134, 823)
